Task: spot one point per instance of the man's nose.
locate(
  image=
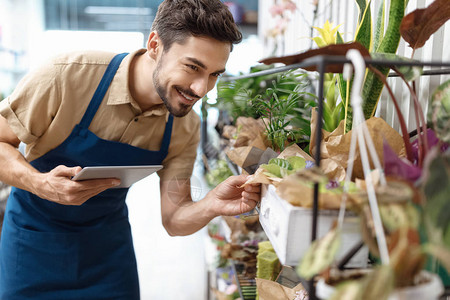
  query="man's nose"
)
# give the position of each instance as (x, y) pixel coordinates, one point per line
(200, 86)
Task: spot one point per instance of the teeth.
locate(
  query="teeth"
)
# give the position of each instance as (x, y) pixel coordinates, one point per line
(185, 96)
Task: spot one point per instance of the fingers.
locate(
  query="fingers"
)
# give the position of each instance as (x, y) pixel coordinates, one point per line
(250, 196)
(253, 188)
(237, 180)
(97, 183)
(252, 193)
(247, 205)
(58, 186)
(81, 191)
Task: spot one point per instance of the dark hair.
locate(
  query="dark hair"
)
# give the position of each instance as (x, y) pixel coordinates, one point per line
(177, 20)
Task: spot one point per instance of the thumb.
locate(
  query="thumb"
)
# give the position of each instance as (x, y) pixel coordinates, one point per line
(238, 180)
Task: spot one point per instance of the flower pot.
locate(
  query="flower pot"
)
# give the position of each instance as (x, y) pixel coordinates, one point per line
(325, 290)
(429, 286)
(288, 228)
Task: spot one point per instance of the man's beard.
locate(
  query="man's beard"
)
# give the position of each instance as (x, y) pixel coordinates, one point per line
(163, 94)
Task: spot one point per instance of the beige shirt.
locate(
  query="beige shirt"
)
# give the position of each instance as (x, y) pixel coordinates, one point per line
(48, 103)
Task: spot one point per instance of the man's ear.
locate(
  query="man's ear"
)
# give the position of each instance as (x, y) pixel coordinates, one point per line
(153, 44)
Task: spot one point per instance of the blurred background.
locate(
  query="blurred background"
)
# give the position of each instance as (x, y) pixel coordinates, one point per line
(31, 31)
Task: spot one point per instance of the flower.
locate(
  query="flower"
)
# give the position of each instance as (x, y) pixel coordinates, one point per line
(276, 10)
(289, 5)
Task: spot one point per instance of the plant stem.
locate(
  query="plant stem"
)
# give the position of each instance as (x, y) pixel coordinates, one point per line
(420, 119)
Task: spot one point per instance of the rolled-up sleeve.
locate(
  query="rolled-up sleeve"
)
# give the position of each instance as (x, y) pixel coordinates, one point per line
(31, 107)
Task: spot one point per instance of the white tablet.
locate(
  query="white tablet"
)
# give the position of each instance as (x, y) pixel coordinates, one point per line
(127, 174)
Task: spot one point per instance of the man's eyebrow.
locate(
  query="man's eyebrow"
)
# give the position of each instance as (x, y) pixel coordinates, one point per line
(202, 65)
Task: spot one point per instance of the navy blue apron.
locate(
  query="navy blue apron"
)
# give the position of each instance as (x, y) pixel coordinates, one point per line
(53, 251)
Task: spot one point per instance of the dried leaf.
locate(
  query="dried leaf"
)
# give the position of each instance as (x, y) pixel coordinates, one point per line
(417, 27)
(340, 49)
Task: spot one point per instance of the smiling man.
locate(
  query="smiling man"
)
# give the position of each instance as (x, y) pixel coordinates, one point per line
(65, 239)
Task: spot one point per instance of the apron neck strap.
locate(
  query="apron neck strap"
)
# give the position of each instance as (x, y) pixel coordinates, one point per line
(101, 90)
(167, 135)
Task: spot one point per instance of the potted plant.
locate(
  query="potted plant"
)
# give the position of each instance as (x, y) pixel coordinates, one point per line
(404, 224)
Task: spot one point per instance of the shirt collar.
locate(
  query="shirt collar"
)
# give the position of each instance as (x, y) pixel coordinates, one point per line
(120, 92)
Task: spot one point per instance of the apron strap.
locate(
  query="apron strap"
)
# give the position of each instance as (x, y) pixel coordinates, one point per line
(167, 135)
(101, 90)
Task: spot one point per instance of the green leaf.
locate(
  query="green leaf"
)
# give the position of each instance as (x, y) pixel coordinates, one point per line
(320, 254)
(391, 39)
(296, 162)
(395, 216)
(440, 252)
(348, 290)
(436, 188)
(379, 283)
(282, 163)
(372, 85)
(439, 111)
(362, 4)
(364, 30)
(410, 72)
(341, 82)
(328, 121)
(379, 27)
(272, 170)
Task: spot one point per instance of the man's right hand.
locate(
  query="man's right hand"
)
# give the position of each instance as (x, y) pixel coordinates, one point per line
(57, 186)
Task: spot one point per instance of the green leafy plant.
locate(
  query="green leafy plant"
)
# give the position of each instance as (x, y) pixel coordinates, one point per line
(280, 105)
(416, 226)
(279, 167)
(377, 42)
(234, 96)
(333, 109)
(439, 111)
(218, 173)
(283, 100)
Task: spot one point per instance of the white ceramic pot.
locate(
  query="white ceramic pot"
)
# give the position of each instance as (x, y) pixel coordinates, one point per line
(431, 289)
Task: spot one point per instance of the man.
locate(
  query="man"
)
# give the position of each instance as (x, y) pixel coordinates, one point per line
(65, 239)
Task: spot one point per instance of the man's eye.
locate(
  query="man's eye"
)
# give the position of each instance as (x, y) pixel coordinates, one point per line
(216, 74)
(195, 68)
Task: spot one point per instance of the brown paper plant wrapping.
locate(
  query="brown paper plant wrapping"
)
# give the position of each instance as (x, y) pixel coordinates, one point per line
(262, 176)
(298, 190)
(335, 146)
(270, 290)
(246, 132)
